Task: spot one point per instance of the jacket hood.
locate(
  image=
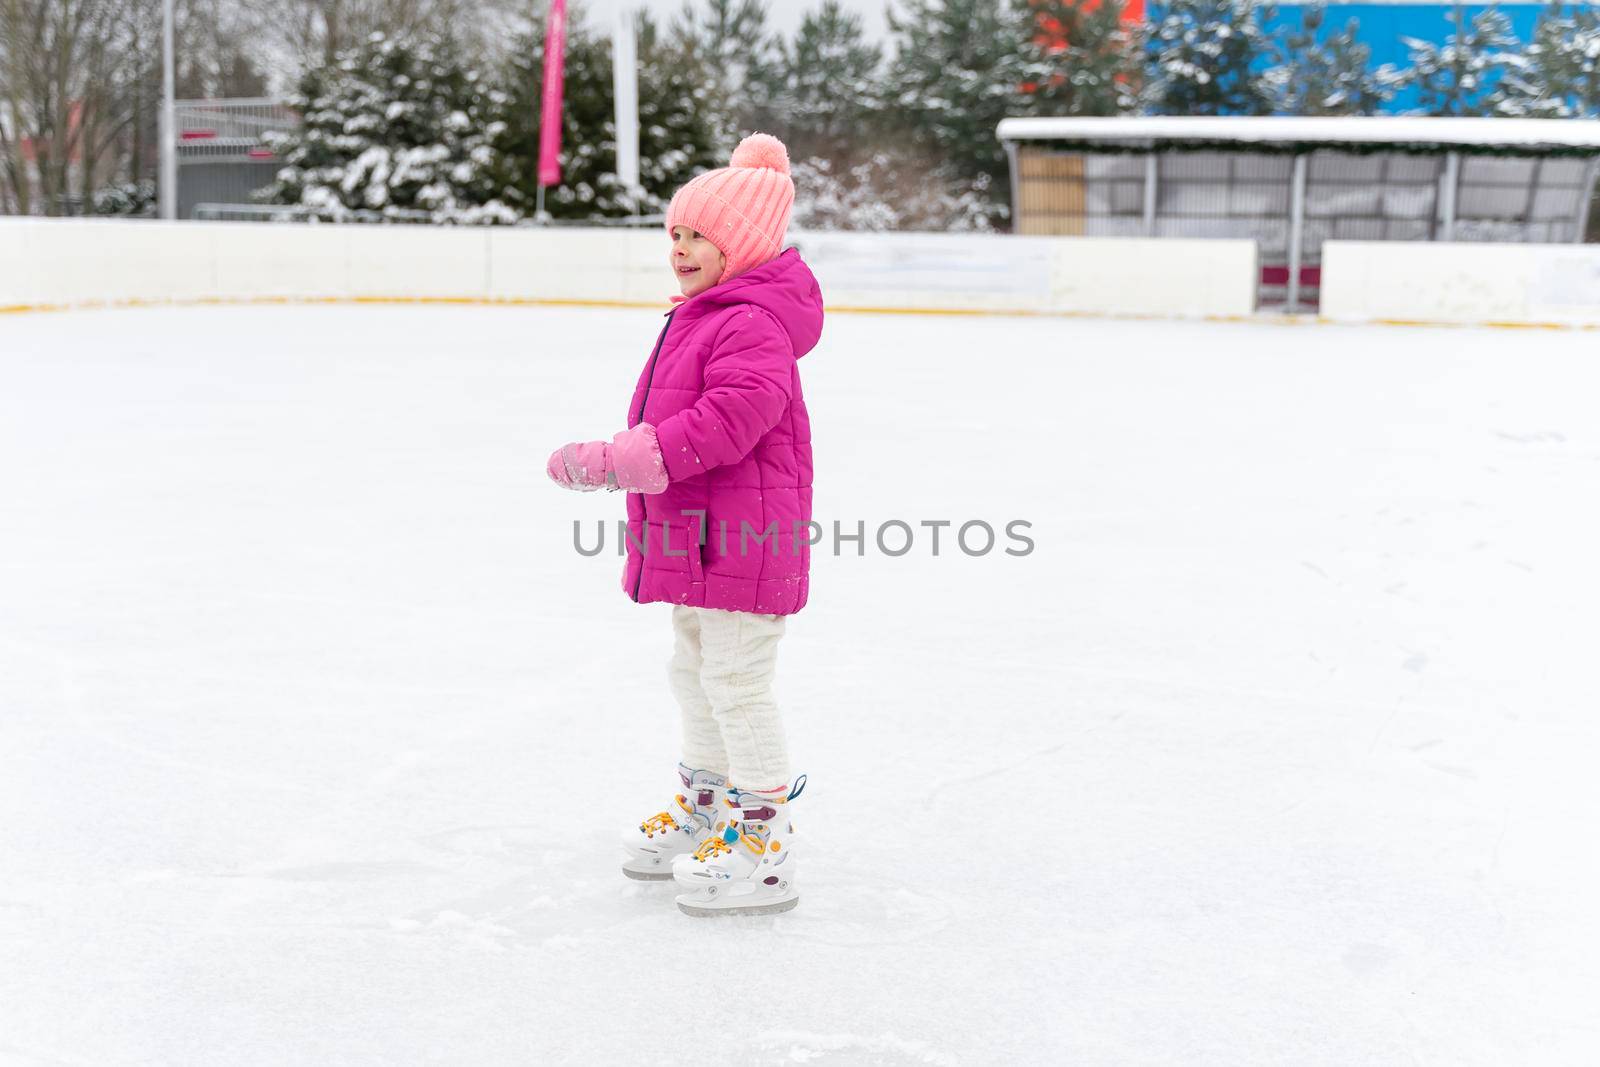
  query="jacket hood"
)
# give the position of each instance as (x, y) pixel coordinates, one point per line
(783, 286)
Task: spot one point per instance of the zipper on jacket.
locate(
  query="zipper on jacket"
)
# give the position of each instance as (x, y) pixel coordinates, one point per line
(650, 377)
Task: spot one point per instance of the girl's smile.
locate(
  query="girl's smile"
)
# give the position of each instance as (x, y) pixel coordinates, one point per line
(697, 262)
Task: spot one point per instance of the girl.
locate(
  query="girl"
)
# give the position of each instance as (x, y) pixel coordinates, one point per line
(717, 465)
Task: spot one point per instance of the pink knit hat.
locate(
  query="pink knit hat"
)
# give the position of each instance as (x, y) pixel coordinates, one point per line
(742, 208)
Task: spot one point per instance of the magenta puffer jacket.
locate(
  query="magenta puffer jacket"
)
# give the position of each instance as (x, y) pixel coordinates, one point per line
(722, 390)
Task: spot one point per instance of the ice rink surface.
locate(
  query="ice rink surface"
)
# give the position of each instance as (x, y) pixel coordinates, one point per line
(1280, 747)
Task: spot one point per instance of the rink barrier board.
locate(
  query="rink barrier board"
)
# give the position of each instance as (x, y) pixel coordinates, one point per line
(1461, 283)
(56, 264)
(82, 262)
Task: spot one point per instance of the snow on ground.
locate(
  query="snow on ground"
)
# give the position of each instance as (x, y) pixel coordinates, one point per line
(316, 734)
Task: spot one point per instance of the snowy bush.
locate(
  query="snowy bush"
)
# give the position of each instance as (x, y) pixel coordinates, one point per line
(130, 199)
(391, 128)
(885, 193)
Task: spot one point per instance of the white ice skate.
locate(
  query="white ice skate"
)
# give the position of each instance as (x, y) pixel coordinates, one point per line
(745, 866)
(675, 832)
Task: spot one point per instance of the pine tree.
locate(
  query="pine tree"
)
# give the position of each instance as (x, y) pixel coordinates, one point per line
(392, 128)
(1459, 77)
(957, 71)
(1082, 59)
(734, 54)
(823, 86)
(1558, 74)
(588, 183)
(1205, 57)
(674, 138)
(1327, 74)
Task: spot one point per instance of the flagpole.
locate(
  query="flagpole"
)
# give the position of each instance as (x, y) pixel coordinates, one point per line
(625, 86)
(167, 192)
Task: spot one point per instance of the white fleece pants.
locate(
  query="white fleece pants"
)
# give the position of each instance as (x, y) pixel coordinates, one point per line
(722, 668)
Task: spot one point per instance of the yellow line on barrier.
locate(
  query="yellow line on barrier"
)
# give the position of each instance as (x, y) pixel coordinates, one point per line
(18, 309)
(1262, 318)
(1488, 323)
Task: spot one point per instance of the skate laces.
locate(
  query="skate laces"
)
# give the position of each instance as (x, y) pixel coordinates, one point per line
(712, 847)
(662, 821)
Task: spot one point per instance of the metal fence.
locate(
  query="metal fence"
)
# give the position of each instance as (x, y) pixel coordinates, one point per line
(229, 129)
(1290, 203)
(222, 154)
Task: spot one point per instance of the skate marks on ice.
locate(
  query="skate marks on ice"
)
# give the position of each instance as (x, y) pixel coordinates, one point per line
(489, 888)
(887, 1050)
(518, 842)
(459, 926)
(850, 906)
(518, 914)
(349, 871)
(1532, 437)
(942, 787)
(78, 698)
(31, 1056)
(508, 912)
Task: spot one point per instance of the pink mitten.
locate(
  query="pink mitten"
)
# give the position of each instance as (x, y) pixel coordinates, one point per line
(582, 466)
(631, 461)
(636, 460)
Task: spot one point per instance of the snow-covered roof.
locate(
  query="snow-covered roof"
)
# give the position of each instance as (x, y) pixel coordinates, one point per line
(1274, 129)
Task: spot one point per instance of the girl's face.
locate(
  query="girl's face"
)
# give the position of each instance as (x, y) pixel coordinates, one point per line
(695, 260)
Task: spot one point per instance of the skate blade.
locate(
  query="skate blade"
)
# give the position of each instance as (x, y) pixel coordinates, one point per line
(648, 876)
(744, 909)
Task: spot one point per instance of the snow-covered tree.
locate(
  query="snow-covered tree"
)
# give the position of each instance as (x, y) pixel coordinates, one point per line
(1209, 57)
(393, 128)
(1459, 77)
(734, 54)
(588, 155)
(822, 88)
(957, 71)
(1327, 73)
(1558, 74)
(1082, 59)
(674, 136)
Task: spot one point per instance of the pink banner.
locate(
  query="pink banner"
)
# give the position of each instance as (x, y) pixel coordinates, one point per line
(555, 48)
